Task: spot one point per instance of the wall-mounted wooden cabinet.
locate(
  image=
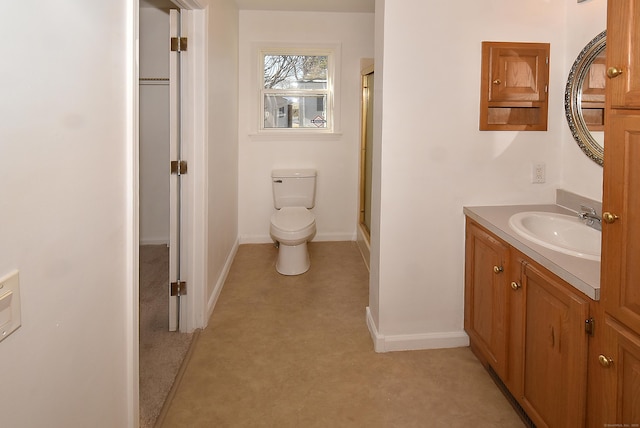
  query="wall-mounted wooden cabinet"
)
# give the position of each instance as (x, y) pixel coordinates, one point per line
(514, 86)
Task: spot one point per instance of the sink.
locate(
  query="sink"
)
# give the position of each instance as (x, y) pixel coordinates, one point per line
(563, 233)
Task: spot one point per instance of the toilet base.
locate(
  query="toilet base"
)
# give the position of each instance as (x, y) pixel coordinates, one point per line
(293, 259)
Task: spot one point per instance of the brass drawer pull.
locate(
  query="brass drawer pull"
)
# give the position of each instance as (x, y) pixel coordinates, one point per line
(515, 285)
(498, 269)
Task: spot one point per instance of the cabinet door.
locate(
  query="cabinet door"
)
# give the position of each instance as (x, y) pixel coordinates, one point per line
(620, 285)
(623, 42)
(517, 71)
(555, 351)
(485, 296)
(621, 366)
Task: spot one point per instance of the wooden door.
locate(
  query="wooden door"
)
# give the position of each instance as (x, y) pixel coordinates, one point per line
(621, 205)
(620, 364)
(518, 71)
(623, 43)
(486, 285)
(555, 351)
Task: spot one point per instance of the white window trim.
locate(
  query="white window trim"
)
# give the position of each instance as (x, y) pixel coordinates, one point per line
(332, 131)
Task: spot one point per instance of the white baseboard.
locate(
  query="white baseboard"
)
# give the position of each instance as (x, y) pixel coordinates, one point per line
(414, 342)
(320, 237)
(213, 299)
(159, 241)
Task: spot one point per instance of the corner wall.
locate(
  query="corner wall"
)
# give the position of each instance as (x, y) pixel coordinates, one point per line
(222, 147)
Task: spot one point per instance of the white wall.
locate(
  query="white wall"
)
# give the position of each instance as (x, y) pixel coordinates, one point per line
(222, 138)
(579, 173)
(434, 160)
(154, 127)
(67, 219)
(335, 158)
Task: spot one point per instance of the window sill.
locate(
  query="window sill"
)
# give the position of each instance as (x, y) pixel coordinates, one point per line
(296, 136)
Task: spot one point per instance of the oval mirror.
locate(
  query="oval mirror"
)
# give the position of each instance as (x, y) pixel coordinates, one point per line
(584, 98)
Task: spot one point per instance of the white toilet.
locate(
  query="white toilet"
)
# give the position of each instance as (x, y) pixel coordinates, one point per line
(293, 225)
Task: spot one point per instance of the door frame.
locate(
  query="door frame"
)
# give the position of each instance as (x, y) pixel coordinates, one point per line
(195, 192)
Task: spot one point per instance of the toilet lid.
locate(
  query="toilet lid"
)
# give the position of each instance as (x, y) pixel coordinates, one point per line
(292, 219)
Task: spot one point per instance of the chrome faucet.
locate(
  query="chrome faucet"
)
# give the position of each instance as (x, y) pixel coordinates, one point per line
(590, 217)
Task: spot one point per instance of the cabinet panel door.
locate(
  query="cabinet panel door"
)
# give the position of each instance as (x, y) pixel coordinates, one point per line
(518, 72)
(555, 352)
(621, 392)
(485, 297)
(623, 33)
(620, 285)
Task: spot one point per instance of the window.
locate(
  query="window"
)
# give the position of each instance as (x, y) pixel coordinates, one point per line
(297, 89)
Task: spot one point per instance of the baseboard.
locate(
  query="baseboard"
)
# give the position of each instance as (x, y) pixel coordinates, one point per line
(221, 280)
(414, 342)
(159, 241)
(320, 237)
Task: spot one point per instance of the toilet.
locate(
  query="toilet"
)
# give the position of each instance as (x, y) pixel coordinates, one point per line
(293, 225)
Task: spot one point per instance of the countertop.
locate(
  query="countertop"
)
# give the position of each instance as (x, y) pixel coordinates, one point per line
(582, 274)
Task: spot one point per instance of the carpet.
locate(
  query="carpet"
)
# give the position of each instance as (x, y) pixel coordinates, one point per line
(161, 351)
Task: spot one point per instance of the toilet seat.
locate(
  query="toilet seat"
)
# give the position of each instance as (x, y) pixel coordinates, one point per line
(292, 224)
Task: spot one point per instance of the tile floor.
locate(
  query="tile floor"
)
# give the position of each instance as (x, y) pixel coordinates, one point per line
(295, 352)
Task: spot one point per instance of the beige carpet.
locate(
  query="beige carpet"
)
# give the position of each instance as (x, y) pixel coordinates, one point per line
(295, 352)
(161, 352)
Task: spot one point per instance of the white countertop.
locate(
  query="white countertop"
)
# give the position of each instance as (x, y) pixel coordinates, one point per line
(582, 274)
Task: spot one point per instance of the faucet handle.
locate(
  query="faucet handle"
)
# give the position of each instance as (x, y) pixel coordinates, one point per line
(587, 210)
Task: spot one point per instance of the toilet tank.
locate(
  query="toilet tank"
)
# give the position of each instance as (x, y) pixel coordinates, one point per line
(294, 187)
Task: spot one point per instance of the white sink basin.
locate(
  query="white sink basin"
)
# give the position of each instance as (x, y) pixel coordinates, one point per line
(559, 232)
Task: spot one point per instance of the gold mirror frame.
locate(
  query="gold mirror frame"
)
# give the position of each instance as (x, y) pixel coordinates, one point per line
(573, 98)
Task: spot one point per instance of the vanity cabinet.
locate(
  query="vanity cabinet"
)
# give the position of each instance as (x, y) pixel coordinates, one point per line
(514, 86)
(486, 288)
(528, 325)
(554, 350)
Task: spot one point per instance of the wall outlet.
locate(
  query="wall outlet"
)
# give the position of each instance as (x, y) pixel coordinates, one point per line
(538, 173)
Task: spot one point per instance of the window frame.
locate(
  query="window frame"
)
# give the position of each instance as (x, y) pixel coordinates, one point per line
(332, 54)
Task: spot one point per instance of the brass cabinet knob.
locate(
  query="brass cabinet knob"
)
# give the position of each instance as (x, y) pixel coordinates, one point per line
(515, 285)
(497, 82)
(609, 218)
(613, 72)
(605, 361)
(498, 269)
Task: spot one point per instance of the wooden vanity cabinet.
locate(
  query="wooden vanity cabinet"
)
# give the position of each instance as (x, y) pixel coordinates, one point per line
(553, 390)
(486, 287)
(528, 325)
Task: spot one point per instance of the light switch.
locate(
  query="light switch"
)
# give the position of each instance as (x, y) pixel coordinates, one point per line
(9, 304)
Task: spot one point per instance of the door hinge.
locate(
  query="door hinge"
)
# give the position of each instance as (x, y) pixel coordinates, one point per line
(178, 167)
(178, 288)
(178, 44)
(589, 326)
